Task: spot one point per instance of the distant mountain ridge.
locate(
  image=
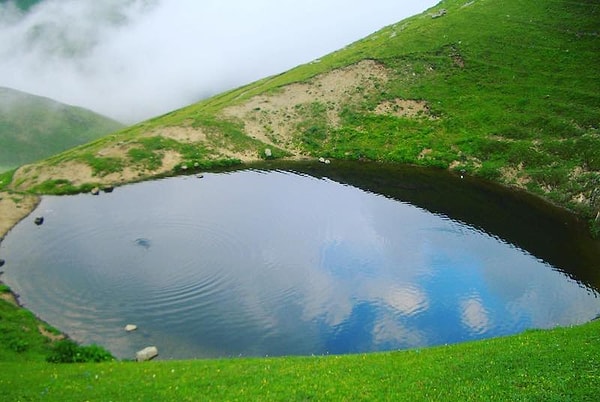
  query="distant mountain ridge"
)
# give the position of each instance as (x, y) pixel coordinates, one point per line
(34, 127)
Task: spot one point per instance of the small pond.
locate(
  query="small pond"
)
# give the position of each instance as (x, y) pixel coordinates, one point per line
(306, 259)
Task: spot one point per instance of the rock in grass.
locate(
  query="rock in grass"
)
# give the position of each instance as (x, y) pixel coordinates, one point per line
(146, 354)
(130, 327)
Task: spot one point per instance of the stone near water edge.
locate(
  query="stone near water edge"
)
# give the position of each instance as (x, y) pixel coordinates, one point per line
(2, 262)
(108, 189)
(130, 327)
(39, 220)
(146, 354)
(95, 191)
(322, 160)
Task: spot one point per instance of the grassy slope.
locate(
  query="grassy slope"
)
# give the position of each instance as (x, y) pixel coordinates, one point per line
(510, 85)
(33, 127)
(560, 364)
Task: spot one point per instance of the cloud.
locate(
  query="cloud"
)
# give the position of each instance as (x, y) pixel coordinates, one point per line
(135, 59)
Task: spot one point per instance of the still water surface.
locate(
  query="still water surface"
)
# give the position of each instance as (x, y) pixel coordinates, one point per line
(254, 263)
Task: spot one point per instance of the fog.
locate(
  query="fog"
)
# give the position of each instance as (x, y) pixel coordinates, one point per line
(135, 59)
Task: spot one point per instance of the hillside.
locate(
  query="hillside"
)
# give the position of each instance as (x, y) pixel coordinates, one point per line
(502, 90)
(33, 127)
(22, 4)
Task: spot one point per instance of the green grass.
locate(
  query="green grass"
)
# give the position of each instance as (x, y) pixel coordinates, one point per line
(20, 340)
(33, 127)
(508, 83)
(550, 365)
(6, 178)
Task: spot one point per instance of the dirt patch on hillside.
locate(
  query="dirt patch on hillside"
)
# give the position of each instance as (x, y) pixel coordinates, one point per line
(182, 134)
(274, 118)
(9, 297)
(404, 108)
(515, 175)
(52, 336)
(29, 176)
(13, 208)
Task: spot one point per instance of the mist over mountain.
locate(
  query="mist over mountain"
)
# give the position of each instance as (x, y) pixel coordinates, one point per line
(135, 59)
(34, 127)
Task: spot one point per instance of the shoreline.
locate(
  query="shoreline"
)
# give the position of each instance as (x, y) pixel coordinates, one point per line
(15, 207)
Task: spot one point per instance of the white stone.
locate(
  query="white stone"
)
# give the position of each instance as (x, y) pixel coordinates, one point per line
(130, 327)
(145, 354)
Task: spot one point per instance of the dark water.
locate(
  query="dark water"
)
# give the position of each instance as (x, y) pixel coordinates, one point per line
(256, 263)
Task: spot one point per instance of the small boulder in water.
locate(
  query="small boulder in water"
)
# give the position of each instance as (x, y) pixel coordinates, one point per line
(39, 220)
(130, 327)
(2, 262)
(146, 354)
(95, 191)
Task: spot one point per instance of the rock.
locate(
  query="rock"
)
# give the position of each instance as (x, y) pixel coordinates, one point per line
(440, 13)
(2, 262)
(146, 354)
(322, 160)
(327, 161)
(130, 327)
(108, 189)
(95, 191)
(268, 152)
(200, 176)
(39, 220)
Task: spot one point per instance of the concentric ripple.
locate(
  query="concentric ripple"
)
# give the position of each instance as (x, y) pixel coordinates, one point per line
(273, 263)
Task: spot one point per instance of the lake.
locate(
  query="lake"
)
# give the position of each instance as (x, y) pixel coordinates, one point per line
(302, 259)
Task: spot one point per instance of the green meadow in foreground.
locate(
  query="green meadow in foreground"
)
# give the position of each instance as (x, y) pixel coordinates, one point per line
(546, 365)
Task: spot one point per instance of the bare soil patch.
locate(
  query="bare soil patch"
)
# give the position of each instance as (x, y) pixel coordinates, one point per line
(181, 134)
(273, 118)
(404, 108)
(13, 208)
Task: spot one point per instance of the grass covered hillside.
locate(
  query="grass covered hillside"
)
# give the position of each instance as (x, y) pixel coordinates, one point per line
(33, 127)
(507, 90)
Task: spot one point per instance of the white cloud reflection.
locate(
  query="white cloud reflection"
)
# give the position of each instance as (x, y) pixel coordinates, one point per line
(313, 256)
(474, 315)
